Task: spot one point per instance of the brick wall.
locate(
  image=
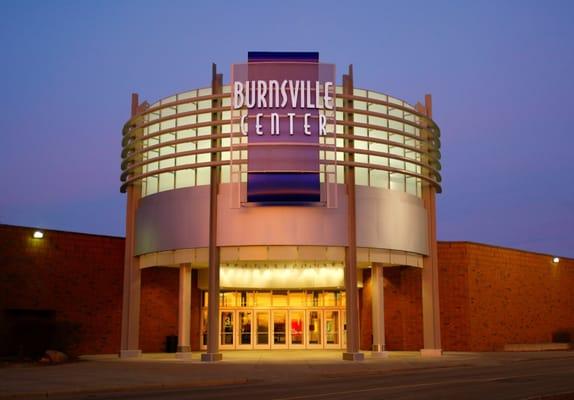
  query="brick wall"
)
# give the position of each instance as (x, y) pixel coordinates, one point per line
(492, 296)
(159, 308)
(517, 297)
(453, 296)
(489, 296)
(76, 277)
(403, 309)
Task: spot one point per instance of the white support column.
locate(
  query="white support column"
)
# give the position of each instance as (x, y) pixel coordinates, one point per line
(184, 315)
(378, 306)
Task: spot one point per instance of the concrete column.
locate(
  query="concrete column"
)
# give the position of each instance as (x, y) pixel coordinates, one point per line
(129, 346)
(378, 309)
(430, 296)
(213, 353)
(184, 315)
(352, 294)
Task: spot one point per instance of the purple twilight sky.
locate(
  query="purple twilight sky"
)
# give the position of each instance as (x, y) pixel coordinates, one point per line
(501, 74)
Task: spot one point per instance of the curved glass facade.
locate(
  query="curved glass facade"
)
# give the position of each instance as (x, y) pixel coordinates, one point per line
(167, 146)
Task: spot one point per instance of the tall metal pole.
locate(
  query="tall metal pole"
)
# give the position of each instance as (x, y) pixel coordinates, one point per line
(213, 353)
(129, 346)
(430, 294)
(352, 294)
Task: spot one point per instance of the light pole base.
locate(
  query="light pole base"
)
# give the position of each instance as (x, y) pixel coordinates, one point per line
(130, 354)
(209, 357)
(183, 355)
(431, 352)
(353, 356)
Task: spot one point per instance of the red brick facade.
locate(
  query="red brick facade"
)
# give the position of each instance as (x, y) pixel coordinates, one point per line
(492, 296)
(403, 309)
(63, 279)
(159, 308)
(489, 296)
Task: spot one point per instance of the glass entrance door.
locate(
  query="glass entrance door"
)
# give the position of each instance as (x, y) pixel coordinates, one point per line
(279, 329)
(245, 323)
(332, 330)
(262, 330)
(314, 331)
(297, 329)
(226, 322)
(343, 329)
(277, 319)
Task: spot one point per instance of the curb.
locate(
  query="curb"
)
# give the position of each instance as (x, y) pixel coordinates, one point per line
(132, 388)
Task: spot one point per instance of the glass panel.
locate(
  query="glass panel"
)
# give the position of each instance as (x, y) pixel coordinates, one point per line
(279, 299)
(330, 299)
(313, 299)
(245, 327)
(279, 327)
(203, 176)
(332, 327)
(361, 176)
(204, 327)
(297, 325)
(227, 299)
(246, 299)
(262, 328)
(314, 327)
(263, 299)
(184, 178)
(344, 321)
(398, 182)
(296, 299)
(226, 327)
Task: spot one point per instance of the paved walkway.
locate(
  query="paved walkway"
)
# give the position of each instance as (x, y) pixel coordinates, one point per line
(107, 373)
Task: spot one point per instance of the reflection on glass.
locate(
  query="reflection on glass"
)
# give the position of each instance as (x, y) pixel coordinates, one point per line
(332, 327)
(245, 326)
(330, 299)
(263, 299)
(204, 327)
(226, 327)
(246, 299)
(227, 299)
(297, 299)
(279, 327)
(262, 328)
(313, 299)
(314, 327)
(279, 298)
(297, 327)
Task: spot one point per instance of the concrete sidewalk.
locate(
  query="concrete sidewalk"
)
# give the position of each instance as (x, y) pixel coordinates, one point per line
(107, 373)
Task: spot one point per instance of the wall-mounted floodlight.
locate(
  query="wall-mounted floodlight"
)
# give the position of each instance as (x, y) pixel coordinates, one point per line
(556, 260)
(38, 235)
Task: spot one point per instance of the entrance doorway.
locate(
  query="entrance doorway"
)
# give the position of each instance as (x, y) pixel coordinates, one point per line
(279, 320)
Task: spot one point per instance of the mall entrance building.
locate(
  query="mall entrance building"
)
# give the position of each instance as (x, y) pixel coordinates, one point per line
(272, 194)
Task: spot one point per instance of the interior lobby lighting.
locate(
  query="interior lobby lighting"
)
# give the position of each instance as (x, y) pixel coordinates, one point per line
(38, 235)
(556, 260)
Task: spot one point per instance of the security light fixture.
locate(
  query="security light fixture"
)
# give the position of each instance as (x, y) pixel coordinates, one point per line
(38, 235)
(555, 260)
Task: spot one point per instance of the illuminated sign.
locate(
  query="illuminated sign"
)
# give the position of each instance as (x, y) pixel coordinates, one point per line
(284, 104)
